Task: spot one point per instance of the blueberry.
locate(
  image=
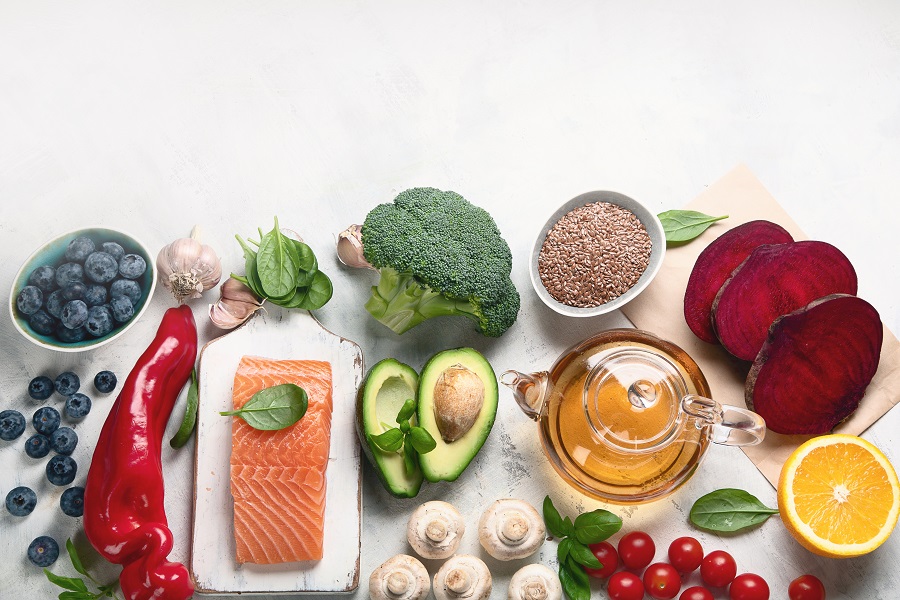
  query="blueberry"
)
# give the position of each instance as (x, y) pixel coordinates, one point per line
(101, 267)
(70, 336)
(44, 278)
(69, 272)
(74, 314)
(21, 501)
(54, 303)
(79, 249)
(95, 295)
(67, 383)
(99, 321)
(43, 551)
(37, 446)
(42, 323)
(122, 309)
(74, 290)
(72, 501)
(77, 406)
(132, 266)
(12, 424)
(105, 381)
(45, 420)
(127, 288)
(61, 470)
(30, 300)
(40, 388)
(64, 440)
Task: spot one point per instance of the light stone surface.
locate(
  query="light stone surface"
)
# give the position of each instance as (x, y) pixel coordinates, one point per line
(153, 117)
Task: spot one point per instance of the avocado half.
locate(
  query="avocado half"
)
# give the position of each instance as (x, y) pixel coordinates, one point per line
(449, 459)
(387, 386)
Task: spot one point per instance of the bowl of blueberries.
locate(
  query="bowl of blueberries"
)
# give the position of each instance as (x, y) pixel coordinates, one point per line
(82, 289)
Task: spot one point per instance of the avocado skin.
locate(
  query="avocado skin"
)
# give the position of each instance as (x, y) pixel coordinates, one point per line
(447, 461)
(380, 372)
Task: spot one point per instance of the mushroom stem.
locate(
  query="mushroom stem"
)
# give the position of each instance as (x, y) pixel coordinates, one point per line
(513, 527)
(534, 590)
(459, 581)
(436, 530)
(397, 583)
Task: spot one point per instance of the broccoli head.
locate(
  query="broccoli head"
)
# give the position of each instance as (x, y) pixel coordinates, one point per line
(438, 254)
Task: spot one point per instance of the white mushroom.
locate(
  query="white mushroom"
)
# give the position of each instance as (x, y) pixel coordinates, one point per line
(462, 576)
(535, 582)
(401, 577)
(511, 529)
(435, 529)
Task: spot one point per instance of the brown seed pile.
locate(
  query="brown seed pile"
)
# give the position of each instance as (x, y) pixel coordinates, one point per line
(594, 254)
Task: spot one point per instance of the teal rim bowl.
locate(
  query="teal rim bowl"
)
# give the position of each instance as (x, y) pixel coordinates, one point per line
(53, 253)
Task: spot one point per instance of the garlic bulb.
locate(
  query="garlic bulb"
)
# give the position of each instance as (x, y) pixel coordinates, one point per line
(236, 304)
(188, 268)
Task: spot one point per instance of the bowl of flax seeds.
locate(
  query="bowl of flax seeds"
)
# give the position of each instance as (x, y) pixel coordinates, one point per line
(595, 253)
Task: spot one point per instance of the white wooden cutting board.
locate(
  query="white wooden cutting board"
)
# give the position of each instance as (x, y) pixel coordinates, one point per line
(277, 335)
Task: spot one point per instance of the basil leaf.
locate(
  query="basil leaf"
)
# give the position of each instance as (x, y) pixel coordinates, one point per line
(568, 527)
(554, 522)
(407, 410)
(563, 549)
(729, 510)
(108, 591)
(67, 583)
(578, 588)
(190, 415)
(73, 556)
(578, 572)
(273, 408)
(596, 526)
(583, 556)
(685, 225)
(409, 459)
(77, 595)
(277, 262)
(421, 440)
(388, 441)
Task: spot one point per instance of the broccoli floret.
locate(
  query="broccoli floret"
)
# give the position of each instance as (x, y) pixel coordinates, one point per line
(438, 255)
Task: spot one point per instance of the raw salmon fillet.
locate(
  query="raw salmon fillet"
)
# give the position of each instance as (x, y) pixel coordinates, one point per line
(278, 477)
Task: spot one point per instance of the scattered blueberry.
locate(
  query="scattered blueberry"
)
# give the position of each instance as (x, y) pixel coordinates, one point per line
(122, 309)
(30, 300)
(126, 287)
(74, 314)
(70, 336)
(101, 267)
(95, 295)
(67, 383)
(72, 501)
(44, 278)
(45, 420)
(42, 323)
(74, 290)
(43, 551)
(113, 249)
(54, 303)
(99, 321)
(132, 266)
(40, 388)
(37, 446)
(105, 381)
(12, 424)
(64, 440)
(61, 470)
(79, 249)
(69, 272)
(21, 501)
(77, 406)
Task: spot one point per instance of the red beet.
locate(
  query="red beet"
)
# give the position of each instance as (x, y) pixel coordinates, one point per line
(773, 281)
(714, 266)
(815, 365)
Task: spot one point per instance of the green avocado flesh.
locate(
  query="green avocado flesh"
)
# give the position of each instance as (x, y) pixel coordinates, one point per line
(388, 385)
(449, 459)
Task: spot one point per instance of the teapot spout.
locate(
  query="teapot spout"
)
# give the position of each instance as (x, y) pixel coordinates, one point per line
(530, 391)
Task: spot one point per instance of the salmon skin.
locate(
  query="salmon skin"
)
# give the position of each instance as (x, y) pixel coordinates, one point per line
(278, 477)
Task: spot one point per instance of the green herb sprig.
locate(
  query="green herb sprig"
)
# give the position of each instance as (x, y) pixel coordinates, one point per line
(76, 588)
(573, 552)
(407, 438)
(729, 510)
(273, 408)
(685, 225)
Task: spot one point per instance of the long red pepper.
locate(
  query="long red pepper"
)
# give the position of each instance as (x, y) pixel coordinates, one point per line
(124, 515)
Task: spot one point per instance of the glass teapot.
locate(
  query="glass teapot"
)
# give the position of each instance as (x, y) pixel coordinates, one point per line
(626, 417)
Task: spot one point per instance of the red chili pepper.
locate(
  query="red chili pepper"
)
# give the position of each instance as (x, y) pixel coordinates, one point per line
(124, 515)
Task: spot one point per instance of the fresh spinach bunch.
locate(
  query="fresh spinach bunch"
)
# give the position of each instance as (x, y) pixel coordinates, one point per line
(77, 588)
(573, 552)
(284, 271)
(410, 439)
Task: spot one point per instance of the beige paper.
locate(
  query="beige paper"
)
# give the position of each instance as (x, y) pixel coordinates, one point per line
(659, 309)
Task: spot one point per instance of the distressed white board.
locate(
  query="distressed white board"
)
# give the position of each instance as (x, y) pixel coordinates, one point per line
(277, 335)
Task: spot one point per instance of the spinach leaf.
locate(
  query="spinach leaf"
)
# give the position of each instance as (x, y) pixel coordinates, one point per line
(190, 415)
(388, 441)
(583, 556)
(596, 526)
(685, 225)
(274, 407)
(306, 259)
(729, 510)
(421, 440)
(277, 262)
(251, 276)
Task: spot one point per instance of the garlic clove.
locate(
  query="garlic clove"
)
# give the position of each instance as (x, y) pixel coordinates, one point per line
(236, 304)
(350, 248)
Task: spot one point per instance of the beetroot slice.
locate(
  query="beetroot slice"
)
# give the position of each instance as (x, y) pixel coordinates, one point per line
(773, 281)
(815, 365)
(714, 266)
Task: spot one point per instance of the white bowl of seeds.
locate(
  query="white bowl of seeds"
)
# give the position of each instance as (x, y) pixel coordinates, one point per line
(595, 253)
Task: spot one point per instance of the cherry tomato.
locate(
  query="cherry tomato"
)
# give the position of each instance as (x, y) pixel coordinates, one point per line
(662, 581)
(717, 569)
(625, 586)
(696, 593)
(748, 586)
(806, 587)
(636, 550)
(607, 556)
(685, 554)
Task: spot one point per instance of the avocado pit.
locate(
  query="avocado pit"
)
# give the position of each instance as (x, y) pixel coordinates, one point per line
(458, 399)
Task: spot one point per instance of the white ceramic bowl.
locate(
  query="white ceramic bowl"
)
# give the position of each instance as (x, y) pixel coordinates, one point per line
(657, 252)
(52, 253)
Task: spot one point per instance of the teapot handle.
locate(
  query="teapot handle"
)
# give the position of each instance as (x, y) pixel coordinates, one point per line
(730, 425)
